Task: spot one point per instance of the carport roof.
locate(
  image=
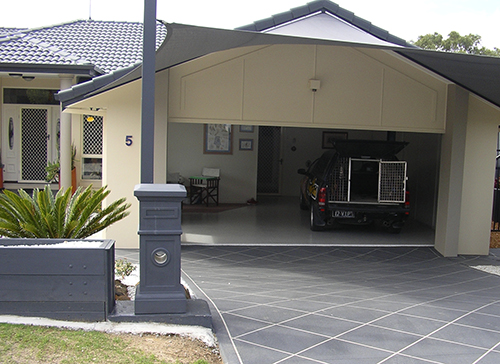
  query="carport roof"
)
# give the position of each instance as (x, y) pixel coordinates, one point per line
(478, 74)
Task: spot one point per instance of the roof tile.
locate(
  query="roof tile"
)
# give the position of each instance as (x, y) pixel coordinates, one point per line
(78, 42)
(300, 11)
(283, 17)
(362, 23)
(264, 24)
(345, 14)
(331, 7)
(379, 32)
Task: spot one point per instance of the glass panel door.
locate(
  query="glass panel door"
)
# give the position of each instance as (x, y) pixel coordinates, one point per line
(34, 146)
(269, 162)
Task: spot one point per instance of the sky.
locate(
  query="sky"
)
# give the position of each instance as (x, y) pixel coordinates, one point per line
(405, 19)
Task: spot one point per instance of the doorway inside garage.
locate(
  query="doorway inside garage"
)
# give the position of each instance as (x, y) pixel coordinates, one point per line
(269, 160)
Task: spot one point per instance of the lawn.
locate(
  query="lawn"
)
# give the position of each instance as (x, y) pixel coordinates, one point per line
(36, 344)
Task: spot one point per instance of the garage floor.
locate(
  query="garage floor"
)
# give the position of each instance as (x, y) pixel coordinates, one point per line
(279, 221)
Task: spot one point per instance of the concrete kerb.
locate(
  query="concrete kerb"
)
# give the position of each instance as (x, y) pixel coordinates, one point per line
(195, 332)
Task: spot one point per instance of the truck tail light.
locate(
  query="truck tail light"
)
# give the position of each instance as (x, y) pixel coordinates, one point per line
(407, 202)
(322, 199)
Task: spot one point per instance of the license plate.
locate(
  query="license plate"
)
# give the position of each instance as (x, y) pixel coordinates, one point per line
(343, 214)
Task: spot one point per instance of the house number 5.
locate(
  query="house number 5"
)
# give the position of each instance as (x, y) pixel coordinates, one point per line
(128, 140)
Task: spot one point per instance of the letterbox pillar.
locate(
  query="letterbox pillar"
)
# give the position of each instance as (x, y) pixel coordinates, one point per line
(160, 290)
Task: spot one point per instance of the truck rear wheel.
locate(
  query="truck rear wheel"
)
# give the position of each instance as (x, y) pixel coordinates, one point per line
(315, 224)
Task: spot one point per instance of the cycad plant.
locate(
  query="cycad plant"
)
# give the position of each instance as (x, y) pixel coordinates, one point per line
(64, 216)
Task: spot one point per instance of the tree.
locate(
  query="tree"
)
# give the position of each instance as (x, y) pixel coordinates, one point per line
(470, 44)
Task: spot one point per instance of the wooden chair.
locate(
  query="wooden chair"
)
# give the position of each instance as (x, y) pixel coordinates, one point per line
(204, 188)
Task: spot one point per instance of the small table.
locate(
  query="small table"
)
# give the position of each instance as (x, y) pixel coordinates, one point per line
(204, 188)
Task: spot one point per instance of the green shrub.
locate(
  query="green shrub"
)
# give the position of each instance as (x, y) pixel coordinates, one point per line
(64, 216)
(123, 268)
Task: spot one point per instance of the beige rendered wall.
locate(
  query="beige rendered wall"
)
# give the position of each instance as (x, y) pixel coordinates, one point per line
(121, 163)
(360, 89)
(479, 175)
(451, 173)
(467, 173)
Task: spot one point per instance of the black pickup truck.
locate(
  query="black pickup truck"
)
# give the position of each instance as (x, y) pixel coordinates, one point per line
(357, 182)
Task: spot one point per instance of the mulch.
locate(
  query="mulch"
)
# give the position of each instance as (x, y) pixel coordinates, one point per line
(494, 239)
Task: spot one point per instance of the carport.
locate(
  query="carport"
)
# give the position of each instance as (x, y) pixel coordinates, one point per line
(445, 103)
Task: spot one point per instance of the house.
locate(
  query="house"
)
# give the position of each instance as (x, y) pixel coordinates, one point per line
(37, 63)
(285, 80)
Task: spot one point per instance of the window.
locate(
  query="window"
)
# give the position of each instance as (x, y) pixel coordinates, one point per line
(29, 96)
(92, 147)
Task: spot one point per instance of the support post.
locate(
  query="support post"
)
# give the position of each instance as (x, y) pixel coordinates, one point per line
(160, 290)
(148, 92)
(65, 152)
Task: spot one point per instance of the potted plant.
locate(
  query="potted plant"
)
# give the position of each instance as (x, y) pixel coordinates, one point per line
(53, 170)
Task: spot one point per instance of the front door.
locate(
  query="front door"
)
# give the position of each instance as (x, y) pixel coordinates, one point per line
(28, 142)
(34, 143)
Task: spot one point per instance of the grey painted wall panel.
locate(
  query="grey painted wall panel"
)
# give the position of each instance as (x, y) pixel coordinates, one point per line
(56, 282)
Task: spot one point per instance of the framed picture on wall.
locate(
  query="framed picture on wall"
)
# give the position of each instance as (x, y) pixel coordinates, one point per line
(218, 139)
(329, 138)
(246, 144)
(246, 128)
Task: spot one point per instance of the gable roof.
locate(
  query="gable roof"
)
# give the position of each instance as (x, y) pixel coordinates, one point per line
(323, 7)
(103, 46)
(478, 74)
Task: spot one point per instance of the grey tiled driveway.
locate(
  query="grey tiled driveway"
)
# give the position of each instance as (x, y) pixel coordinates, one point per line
(347, 305)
